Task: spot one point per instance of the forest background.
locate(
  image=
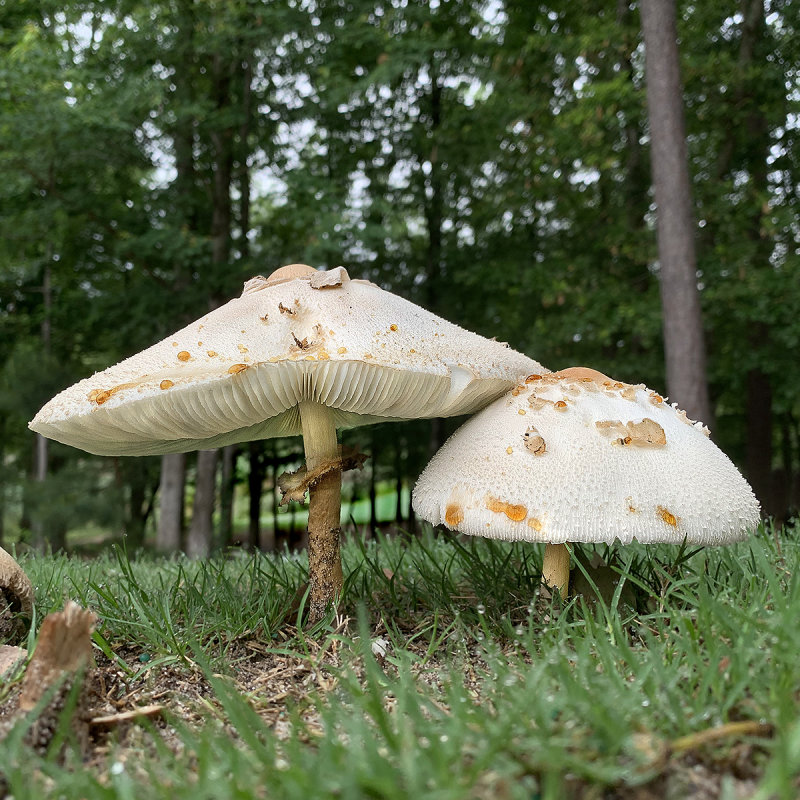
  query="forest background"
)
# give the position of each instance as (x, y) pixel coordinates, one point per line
(489, 161)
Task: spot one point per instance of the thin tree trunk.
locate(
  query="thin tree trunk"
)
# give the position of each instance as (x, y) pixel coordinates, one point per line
(201, 529)
(40, 535)
(227, 496)
(373, 489)
(398, 482)
(255, 490)
(680, 299)
(135, 475)
(3, 481)
(274, 497)
(169, 532)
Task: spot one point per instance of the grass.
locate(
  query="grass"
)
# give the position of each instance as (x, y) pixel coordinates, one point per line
(447, 675)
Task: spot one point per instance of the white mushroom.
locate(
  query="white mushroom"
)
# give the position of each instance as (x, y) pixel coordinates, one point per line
(299, 352)
(574, 456)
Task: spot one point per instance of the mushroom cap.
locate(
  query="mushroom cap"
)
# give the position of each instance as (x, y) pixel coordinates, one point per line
(574, 456)
(238, 373)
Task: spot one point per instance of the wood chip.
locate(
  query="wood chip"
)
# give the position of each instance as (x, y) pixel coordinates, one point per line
(111, 720)
(10, 656)
(64, 647)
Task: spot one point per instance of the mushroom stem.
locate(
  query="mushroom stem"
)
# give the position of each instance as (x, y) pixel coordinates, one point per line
(555, 568)
(324, 508)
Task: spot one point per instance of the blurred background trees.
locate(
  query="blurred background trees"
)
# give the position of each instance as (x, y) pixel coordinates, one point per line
(489, 161)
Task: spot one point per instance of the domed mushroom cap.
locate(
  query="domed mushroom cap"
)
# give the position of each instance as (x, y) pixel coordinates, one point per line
(239, 372)
(576, 457)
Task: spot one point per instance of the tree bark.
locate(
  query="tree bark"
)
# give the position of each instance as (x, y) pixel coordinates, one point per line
(227, 494)
(373, 486)
(40, 536)
(201, 529)
(169, 532)
(255, 491)
(684, 344)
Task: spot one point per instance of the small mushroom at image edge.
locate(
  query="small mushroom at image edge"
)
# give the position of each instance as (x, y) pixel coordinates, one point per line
(615, 462)
(302, 352)
(16, 596)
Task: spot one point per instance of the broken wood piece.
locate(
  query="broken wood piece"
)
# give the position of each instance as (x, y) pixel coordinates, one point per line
(294, 485)
(10, 656)
(64, 647)
(135, 714)
(56, 678)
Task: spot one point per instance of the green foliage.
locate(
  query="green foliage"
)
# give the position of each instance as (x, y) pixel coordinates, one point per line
(489, 161)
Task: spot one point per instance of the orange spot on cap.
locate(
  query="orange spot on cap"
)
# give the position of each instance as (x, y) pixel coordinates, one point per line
(166, 384)
(535, 524)
(236, 368)
(453, 515)
(516, 513)
(183, 355)
(667, 516)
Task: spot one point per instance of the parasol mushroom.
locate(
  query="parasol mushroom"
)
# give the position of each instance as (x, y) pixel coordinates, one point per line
(574, 456)
(299, 352)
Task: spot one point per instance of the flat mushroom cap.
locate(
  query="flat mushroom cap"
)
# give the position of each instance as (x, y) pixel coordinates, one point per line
(238, 373)
(576, 457)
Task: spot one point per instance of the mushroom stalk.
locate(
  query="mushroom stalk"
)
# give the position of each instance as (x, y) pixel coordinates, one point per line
(324, 508)
(555, 568)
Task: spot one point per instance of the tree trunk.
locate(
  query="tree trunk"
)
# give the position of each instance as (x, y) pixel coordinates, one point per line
(169, 532)
(40, 536)
(227, 494)
(201, 529)
(3, 481)
(373, 489)
(255, 490)
(134, 474)
(274, 498)
(398, 481)
(680, 300)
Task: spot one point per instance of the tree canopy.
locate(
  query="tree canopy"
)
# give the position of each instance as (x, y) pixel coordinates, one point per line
(487, 160)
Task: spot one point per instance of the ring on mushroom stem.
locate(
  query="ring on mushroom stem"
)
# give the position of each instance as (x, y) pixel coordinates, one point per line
(303, 351)
(565, 466)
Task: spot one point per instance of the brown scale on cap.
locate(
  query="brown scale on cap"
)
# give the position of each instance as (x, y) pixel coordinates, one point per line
(646, 433)
(667, 516)
(516, 513)
(534, 443)
(100, 396)
(289, 273)
(581, 374)
(453, 515)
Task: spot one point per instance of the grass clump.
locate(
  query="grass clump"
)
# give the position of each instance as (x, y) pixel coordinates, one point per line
(446, 675)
